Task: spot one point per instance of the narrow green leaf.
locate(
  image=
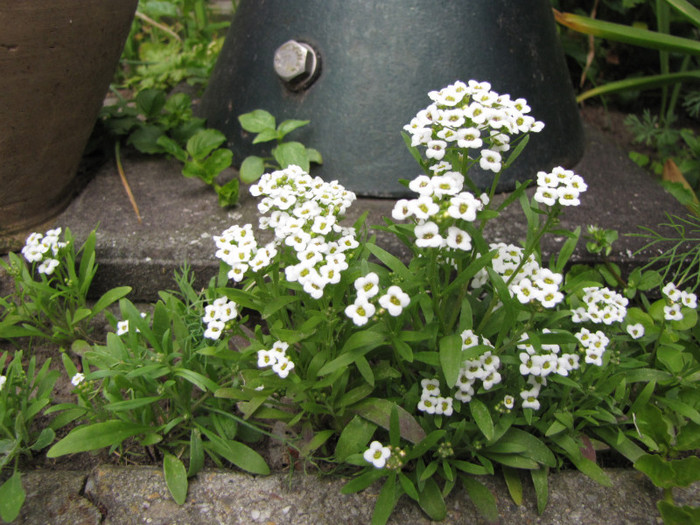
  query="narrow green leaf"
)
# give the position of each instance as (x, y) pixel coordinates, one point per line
(196, 453)
(432, 502)
(628, 34)
(514, 484)
(362, 481)
(392, 262)
(585, 465)
(237, 453)
(95, 436)
(386, 501)
(482, 418)
(12, 496)
(451, 359)
(175, 478)
(540, 481)
(482, 497)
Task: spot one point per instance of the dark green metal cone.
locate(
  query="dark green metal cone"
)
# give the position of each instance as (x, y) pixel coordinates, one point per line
(378, 60)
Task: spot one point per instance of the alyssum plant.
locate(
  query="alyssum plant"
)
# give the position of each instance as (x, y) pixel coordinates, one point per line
(472, 358)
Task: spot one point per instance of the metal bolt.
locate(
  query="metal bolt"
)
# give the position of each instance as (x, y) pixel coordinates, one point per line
(296, 63)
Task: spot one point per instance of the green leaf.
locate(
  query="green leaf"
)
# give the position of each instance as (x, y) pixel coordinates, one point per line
(451, 359)
(12, 497)
(354, 437)
(540, 481)
(218, 161)
(237, 453)
(386, 501)
(110, 297)
(362, 481)
(278, 303)
(228, 193)
(658, 470)
(378, 411)
(394, 263)
(175, 478)
(314, 155)
(172, 148)
(482, 497)
(46, 437)
(196, 453)
(204, 142)
(584, 465)
(145, 139)
(431, 501)
(291, 153)
(257, 121)
(677, 515)
(265, 135)
(290, 125)
(533, 448)
(150, 102)
(482, 417)
(252, 168)
(95, 436)
(515, 486)
(131, 404)
(197, 379)
(628, 34)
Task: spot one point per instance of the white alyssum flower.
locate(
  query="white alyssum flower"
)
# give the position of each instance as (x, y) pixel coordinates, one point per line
(3, 380)
(78, 378)
(377, 454)
(367, 286)
(635, 330)
(360, 311)
(395, 300)
(122, 327)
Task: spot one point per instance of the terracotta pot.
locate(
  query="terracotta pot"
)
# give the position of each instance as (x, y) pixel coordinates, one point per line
(57, 59)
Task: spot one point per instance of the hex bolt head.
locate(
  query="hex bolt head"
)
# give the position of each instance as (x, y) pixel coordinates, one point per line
(295, 62)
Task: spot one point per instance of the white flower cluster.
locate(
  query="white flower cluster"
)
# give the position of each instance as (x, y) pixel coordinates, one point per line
(440, 198)
(601, 305)
(560, 185)
(123, 326)
(677, 299)
(536, 365)
(303, 211)
(216, 315)
(276, 357)
(367, 287)
(531, 283)
(44, 249)
(471, 116)
(431, 402)
(484, 369)
(595, 344)
(3, 380)
(238, 248)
